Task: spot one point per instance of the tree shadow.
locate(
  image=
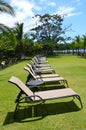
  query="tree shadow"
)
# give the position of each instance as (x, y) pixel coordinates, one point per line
(40, 112)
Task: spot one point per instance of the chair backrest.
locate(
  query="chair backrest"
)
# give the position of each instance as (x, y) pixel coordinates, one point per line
(31, 62)
(29, 70)
(35, 59)
(30, 67)
(21, 85)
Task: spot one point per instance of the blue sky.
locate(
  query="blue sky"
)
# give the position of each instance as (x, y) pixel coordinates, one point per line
(75, 11)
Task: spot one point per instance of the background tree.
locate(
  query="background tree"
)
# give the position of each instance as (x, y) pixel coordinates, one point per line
(73, 46)
(48, 46)
(84, 42)
(49, 30)
(49, 27)
(77, 43)
(7, 44)
(28, 45)
(19, 34)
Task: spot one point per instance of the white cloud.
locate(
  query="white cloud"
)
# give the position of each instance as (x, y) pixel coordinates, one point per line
(63, 10)
(24, 13)
(67, 11)
(52, 3)
(23, 7)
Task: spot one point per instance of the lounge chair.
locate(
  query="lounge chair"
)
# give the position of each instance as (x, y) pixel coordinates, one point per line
(41, 70)
(41, 96)
(46, 80)
(40, 60)
(40, 66)
(41, 75)
(37, 65)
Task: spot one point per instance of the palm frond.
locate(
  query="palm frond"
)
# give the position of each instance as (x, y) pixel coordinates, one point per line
(6, 8)
(4, 28)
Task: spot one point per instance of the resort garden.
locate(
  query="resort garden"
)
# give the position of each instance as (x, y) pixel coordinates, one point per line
(65, 55)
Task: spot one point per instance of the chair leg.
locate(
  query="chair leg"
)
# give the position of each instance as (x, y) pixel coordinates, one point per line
(33, 111)
(46, 108)
(18, 97)
(78, 97)
(17, 105)
(66, 83)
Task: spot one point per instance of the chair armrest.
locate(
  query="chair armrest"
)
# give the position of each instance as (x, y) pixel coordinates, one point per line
(30, 97)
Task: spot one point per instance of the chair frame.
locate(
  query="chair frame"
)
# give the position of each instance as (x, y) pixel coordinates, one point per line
(46, 80)
(38, 97)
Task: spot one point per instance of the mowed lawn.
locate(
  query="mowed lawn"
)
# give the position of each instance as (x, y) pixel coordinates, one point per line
(63, 114)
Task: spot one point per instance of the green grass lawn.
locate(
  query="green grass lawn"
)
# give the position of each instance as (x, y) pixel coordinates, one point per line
(64, 114)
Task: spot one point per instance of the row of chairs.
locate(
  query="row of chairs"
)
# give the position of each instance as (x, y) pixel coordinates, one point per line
(41, 72)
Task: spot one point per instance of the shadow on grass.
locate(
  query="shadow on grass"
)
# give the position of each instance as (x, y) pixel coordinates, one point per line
(25, 115)
(49, 87)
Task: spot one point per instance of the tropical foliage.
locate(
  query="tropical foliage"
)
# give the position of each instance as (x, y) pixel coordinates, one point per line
(47, 36)
(5, 8)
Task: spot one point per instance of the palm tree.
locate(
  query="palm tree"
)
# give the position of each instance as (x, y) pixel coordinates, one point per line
(5, 8)
(18, 31)
(84, 42)
(78, 42)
